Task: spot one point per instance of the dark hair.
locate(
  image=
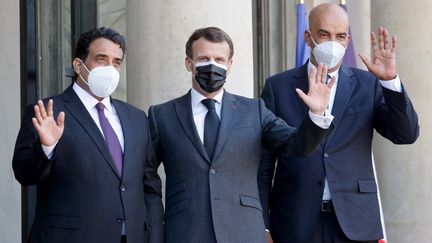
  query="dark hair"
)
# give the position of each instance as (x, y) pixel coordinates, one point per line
(212, 34)
(85, 40)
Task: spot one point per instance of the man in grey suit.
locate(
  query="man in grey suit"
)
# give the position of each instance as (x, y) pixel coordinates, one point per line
(210, 144)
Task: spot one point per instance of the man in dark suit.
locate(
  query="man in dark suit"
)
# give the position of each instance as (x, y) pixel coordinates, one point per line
(210, 144)
(93, 166)
(331, 196)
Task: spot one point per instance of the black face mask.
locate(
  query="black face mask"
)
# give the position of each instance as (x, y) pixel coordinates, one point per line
(210, 77)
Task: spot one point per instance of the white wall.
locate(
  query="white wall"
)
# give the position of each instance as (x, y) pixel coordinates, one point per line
(10, 190)
(404, 172)
(157, 32)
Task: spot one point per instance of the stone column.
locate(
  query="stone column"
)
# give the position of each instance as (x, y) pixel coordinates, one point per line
(404, 172)
(10, 192)
(157, 32)
(359, 15)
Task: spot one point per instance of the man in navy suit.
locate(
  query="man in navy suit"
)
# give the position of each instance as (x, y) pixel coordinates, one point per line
(93, 166)
(331, 196)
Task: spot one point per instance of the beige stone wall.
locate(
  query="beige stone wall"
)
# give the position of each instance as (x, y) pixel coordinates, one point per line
(405, 171)
(112, 14)
(10, 190)
(157, 32)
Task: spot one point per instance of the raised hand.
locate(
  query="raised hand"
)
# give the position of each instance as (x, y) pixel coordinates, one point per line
(48, 129)
(317, 98)
(383, 64)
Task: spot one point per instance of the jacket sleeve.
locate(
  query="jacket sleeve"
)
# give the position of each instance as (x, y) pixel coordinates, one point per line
(267, 163)
(265, 180)
(153, 188)
(153, 194)
(395, 117)
(29, 163)
(280, 137)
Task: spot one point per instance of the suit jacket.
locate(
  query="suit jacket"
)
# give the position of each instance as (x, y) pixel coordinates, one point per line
(360, 106)
(218, 200)
(80, 195)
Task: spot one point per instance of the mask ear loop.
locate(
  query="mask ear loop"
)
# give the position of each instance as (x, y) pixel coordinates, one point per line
(190, 59)
(84, 66)
(85, 81)
(313, 41)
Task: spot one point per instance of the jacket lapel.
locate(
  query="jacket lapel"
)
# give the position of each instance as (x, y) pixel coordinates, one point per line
(77, 109)
(128, 135)
(183, 109)
(301, 82)
(344, 91)
(228, 111)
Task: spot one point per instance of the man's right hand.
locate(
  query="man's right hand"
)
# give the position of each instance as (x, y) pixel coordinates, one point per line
(318, 96)
(48, 129)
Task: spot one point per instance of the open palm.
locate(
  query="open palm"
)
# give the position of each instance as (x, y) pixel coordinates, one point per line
(317, 98)
(49, 130)
(383, 64)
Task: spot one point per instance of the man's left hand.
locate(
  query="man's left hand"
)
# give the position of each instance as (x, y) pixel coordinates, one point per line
(383, 64)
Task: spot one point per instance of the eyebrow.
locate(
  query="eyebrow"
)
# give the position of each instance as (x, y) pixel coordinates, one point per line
(327, 32)
(323, 30)
(105, 56)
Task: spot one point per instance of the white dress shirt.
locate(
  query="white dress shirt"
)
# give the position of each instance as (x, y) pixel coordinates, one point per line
(90, 104)
(394, 85)
(199, 110)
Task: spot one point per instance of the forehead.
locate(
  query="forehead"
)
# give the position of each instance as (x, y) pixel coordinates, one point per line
(105, 47)
(330, 21)
(203, 47)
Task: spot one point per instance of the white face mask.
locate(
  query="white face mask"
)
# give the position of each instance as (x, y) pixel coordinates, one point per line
(330, 53)
(102, 81)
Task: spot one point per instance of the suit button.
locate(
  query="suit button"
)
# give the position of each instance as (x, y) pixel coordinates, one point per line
(119, 220)
(123, 188)
(326, 155)
(212, 171)
(319, 183)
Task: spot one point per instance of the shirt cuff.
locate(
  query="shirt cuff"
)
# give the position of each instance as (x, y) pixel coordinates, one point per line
(322, 121)
(49, 150)
(393, 84)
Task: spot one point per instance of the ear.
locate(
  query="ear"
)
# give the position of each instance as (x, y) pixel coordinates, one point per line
(77, 65)
(307, 38)
(188, 64)
(229, 66)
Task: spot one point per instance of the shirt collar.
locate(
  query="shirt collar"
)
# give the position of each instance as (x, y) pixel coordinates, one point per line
(89, 101)
(196, 98)
(332, 74)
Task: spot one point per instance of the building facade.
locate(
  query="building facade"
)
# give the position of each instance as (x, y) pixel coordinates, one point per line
(37, 39)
